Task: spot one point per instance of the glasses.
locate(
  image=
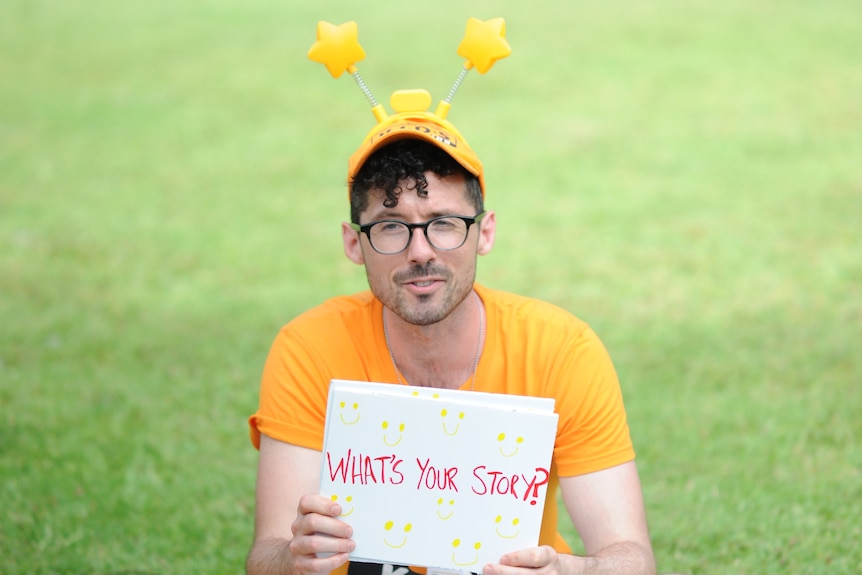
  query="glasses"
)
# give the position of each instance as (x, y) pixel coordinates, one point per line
(389, 237)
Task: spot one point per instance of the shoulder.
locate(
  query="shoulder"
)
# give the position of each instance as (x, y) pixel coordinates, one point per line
(337, 321)
(337, 310)
(514, 309)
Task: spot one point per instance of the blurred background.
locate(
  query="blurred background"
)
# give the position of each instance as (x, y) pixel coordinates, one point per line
(683, 175)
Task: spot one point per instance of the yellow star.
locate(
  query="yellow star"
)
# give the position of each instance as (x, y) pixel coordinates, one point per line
(337, 47)
(484, 43)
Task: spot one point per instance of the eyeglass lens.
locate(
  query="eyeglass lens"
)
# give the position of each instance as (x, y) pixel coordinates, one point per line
(444, 233)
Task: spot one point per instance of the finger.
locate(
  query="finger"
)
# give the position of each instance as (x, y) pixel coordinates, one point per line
(320, 545)
(315, 523)
(325, 564)
(533, 557)
(311, 503)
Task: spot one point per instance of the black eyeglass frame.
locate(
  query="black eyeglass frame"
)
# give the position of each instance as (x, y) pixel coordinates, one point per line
(366, 229)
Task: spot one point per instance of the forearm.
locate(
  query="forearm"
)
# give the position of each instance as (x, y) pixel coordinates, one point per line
(269, 557)
(625, 558)
(315, 554)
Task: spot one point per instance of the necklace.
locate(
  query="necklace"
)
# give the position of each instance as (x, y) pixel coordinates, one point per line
(479, 344)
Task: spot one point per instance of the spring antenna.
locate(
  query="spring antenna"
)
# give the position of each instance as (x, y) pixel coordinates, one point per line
(365, 89)
(458, 81)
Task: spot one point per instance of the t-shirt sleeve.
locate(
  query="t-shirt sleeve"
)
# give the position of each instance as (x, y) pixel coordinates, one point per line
(593, 431)
(291, 409)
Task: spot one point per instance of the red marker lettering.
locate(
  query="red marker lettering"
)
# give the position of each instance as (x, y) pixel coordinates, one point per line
(432, 478)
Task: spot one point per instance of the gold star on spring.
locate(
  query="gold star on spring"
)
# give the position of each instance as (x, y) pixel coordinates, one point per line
(337, 47)
(484, 43)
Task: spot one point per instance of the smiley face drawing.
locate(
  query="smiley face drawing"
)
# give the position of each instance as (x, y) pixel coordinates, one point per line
(399, 543)
(346, 417)
(465, 558)
(509, 448)
(398, 434)
(505, 531)
(447, 416)
(445, 509)
(348, 501)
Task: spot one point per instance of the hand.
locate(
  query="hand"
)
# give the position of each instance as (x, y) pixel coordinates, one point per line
(321, 542)
(542, 560)
(621, 558)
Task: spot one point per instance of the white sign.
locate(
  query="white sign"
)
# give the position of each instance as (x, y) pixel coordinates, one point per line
(438, 478)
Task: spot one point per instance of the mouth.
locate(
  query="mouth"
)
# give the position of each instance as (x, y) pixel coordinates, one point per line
(422, 280)
(422, 285)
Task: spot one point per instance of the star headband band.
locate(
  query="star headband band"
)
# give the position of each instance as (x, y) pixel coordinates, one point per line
(337, 48)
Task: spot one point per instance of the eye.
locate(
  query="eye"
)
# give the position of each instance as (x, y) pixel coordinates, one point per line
(389, 228)
(444, 225)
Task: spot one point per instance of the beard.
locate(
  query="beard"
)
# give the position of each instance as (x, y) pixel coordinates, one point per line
(428, 309)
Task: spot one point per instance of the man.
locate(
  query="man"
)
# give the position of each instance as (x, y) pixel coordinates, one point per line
(418, 224)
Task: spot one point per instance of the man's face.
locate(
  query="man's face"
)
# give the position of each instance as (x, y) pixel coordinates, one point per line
(422, 285)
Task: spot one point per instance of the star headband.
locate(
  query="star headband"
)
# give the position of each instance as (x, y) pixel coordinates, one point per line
(337, 48)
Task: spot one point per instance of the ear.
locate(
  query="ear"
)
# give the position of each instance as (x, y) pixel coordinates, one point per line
(352, 247)
(487, 233)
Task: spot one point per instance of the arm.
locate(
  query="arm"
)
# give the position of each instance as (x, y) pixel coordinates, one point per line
(607, 510)
(292, 523)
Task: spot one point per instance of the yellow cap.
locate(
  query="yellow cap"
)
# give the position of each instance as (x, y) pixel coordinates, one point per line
(421, 126)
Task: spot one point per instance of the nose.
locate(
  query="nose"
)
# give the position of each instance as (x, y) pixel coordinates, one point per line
(418, 248)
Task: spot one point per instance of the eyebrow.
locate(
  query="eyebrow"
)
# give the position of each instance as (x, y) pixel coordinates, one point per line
(390, 215)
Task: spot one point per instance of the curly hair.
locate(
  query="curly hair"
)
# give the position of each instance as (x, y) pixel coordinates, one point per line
(410, 158)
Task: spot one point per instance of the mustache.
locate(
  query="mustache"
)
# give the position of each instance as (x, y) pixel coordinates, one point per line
(422, 271)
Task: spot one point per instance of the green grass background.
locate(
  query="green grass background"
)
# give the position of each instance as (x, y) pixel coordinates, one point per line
(684, 175)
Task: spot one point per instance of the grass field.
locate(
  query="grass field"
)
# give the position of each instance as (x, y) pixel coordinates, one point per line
(684, 175)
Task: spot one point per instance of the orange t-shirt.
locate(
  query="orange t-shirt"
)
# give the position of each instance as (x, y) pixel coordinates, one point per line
(531, 348)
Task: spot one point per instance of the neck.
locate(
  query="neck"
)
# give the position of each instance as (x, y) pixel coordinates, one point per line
(443, 355)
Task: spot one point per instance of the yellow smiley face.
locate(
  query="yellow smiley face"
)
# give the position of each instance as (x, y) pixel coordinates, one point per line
(451, 421)
(393, 539)
(392, 437)
(465, 557)
(346, 505)
(507, 531)
(509, 447)
(349, 415)
(445, 508)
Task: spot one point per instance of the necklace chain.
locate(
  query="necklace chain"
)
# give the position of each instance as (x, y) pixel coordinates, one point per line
(479, 344)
